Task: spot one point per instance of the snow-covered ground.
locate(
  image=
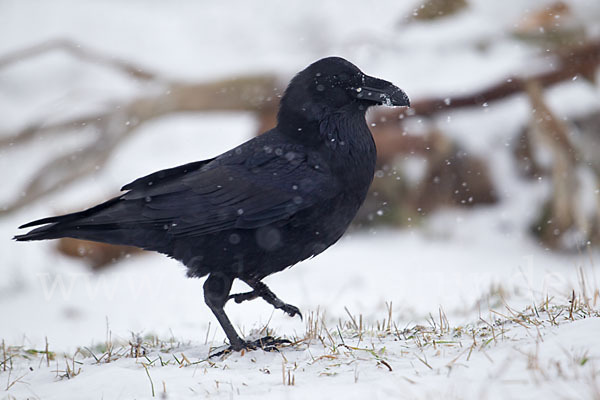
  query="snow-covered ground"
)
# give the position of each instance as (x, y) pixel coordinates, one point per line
(461, 262)
(547, 351)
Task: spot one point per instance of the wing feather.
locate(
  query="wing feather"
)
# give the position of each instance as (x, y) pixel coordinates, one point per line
(267, 187)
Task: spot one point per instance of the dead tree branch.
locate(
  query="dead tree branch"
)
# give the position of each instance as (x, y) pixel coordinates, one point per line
(109, 128)
(78, 52)
(254, 94)
(560, 214)
(578, 62)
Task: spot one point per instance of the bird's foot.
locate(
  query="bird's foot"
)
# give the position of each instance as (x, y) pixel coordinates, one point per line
(267, 343)
(270, 298)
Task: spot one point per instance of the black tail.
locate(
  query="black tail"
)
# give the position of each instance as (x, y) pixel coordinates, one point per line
(45, 232)
(60, 226)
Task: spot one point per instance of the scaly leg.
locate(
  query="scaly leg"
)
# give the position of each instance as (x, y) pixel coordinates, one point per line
(216, 292)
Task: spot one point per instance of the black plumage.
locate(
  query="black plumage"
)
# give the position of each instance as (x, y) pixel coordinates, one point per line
(261, 207)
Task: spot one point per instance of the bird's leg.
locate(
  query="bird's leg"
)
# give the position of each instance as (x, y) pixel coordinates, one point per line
(263, 291)
(216, 294)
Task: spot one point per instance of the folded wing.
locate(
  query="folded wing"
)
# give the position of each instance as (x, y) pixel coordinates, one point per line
(223, 194)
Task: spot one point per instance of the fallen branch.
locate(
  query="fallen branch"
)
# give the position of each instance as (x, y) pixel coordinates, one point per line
(107, 129)
(78, 52)
(578, 62)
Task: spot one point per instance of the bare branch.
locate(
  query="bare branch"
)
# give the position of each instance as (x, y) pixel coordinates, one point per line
(37, 129)
(562, 213)
(581, 61)
(255, 93)
(251, 93)
(77, 51)
(67, 168)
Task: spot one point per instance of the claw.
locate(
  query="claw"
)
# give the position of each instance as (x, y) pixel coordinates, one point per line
(292, 311)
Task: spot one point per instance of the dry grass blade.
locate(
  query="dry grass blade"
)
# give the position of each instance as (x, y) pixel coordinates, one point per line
(150, 378)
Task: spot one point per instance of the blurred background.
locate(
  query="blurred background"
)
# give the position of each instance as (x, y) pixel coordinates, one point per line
(487, 189)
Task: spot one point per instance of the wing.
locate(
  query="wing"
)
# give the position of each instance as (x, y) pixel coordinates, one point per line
(165, 175)
(233, 192)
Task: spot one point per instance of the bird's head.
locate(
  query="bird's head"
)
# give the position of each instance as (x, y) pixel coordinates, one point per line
(334, 84)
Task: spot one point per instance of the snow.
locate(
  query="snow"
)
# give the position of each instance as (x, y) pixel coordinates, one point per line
(463, 262)
(501, 357)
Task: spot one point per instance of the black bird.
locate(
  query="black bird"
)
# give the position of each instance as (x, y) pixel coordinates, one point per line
(261, 207)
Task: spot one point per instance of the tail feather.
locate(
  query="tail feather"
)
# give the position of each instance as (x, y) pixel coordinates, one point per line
(58, 226)
(43, 221)
(41, 233)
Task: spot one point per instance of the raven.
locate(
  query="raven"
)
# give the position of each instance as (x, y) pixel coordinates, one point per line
(275, 200)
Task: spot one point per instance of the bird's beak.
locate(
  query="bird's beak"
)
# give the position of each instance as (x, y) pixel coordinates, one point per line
(379, 91)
